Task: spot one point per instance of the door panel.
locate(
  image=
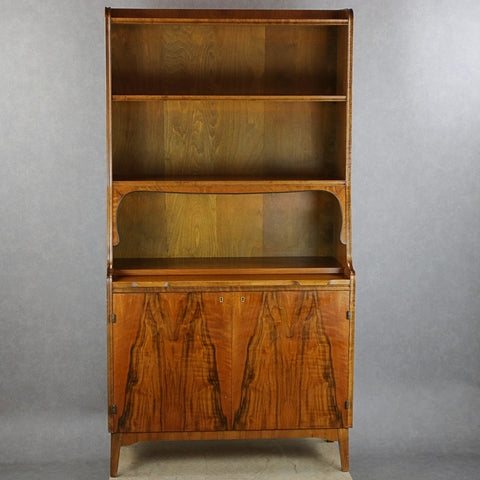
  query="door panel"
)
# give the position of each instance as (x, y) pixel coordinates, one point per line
(290, 360)
(172, 362)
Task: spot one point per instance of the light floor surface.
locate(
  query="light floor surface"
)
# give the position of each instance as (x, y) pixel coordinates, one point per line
(300, 459)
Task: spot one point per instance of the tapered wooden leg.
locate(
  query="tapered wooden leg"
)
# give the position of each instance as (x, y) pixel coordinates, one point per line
(343, 447)
(115, 444)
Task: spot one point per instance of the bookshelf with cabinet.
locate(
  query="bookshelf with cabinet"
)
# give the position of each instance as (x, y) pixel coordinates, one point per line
(229, 250)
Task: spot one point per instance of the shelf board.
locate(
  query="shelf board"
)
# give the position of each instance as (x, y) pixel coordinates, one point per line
(276, 98)
(130, 283)
(189, 185)
(225, 266)
(212, 16)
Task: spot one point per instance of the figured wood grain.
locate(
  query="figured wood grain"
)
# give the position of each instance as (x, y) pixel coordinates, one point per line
(172, 362)
(239, 101)
(289, 360)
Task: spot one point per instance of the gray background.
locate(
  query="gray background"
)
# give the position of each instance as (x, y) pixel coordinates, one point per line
(416, 233)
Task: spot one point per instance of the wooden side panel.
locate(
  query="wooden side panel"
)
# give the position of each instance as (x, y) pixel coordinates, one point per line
(290, 360)
(172, 369)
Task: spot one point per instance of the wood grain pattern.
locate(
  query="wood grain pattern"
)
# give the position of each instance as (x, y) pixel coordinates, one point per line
(343, 447)
(313, 153)
(204, 105)
(172, 362)
(206, 138)
(234, 97)
(108, 133)
(115, 444)
(232, 282)
(137, 140)
(228, 139)
(227, 266)
(330, 434)
(186, 59)
(329, 17)
(188, 225)
(289, 360)
(139, 216)
(181, 59)
(302, 59)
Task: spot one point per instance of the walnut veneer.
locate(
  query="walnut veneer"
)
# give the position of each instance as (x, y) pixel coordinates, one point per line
(230, 287)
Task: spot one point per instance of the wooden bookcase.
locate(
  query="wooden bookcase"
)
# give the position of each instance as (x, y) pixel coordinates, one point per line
(230, 283)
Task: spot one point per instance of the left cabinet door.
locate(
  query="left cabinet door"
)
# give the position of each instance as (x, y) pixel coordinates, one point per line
(172, 362)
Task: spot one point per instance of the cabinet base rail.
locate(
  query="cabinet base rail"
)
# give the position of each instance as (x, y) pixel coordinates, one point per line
(331, 434)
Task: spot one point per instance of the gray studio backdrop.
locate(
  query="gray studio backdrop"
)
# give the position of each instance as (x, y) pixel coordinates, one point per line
(416, 234)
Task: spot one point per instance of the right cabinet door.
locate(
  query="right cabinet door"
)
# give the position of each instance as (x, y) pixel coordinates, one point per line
(290, 360)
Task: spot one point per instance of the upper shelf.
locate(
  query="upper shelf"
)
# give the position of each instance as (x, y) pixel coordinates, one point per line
(278, 98)
(212, 16)
(182, 185)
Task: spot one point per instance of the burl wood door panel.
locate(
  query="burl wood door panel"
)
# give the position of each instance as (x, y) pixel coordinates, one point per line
(172, 362)
(290, 360)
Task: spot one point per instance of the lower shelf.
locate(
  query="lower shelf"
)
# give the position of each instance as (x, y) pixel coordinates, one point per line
(225, 266)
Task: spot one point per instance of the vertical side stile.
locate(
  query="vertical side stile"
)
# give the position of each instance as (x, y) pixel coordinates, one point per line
(110, 213)
(109, 218)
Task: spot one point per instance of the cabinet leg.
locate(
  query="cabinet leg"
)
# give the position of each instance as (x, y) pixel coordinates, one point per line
(115, 444)
(343, 447)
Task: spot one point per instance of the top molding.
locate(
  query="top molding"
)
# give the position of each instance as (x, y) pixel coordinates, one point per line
(313, 17)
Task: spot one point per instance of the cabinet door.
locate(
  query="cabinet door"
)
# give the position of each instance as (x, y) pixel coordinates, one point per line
(290, 360)
(171, 361)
